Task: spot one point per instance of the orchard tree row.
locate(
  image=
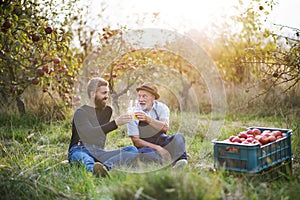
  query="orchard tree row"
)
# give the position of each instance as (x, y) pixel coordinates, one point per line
(269, 54)
(37, 51)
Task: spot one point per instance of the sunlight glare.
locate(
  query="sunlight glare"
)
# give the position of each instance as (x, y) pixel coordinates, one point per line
(188, 13)
(171, 14)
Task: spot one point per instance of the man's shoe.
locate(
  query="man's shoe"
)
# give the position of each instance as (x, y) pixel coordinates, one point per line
(180, 164)
(100, 170)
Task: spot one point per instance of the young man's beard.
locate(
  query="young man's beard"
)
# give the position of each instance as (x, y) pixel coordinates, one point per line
(99, 103)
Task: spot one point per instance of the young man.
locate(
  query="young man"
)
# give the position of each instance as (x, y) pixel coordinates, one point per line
(148, 133)
(91, 123)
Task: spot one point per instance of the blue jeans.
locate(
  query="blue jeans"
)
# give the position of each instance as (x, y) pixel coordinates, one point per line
(91, 154)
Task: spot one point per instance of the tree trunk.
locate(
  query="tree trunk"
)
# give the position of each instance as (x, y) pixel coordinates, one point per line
(185, 95)
(20, 105)
(115, 103)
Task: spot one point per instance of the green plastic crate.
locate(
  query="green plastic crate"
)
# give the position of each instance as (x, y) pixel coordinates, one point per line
(252, 158)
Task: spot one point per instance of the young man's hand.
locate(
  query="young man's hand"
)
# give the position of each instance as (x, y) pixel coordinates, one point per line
(123, 119)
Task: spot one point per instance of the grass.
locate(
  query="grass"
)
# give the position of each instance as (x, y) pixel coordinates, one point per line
(33, 164)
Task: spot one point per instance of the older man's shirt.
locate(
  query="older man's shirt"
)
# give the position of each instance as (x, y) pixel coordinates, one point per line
(159, 111)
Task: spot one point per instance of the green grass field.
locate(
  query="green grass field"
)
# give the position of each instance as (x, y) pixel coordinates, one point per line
(34, 164)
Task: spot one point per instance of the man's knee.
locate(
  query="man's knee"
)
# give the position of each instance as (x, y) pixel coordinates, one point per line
(132, 149)
(178, 137)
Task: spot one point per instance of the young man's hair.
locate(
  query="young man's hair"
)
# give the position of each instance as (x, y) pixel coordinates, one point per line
(94, 84)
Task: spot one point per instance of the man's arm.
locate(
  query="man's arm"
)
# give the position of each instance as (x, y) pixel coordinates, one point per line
(160, 125)
(142, 143)
(138, 142)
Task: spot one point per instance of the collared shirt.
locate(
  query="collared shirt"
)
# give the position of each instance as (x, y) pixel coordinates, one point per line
(158, 111)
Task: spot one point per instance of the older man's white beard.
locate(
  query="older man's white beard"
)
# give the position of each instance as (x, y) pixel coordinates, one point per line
(144, 106)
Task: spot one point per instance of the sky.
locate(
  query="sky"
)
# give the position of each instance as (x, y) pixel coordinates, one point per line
(183, 15)
(287, 12)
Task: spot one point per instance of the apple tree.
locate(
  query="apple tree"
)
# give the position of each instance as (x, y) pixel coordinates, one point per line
(125, 67)
(283, 64)
(261, 60)
(35, 51)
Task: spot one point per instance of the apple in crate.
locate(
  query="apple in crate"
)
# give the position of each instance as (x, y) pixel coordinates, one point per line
(236, 139)
(231, 138)
(266, 133)
(264, 140)
(272, 138)
(242, 134)
(276, 133)
(256, 131)
(250, 132)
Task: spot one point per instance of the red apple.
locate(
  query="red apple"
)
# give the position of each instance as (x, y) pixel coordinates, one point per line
(264, 140)
(276, 133)
(242, 134)
(4, 30)
(246, 142)
(256, 131)
(275, 74)
(236, 139)
(250, 140)
(257, 137)
(231, 138)
(287, 59)
(48, 30)
(56, 60)
(250, 136)
(35, 81)
(250, 132)
(46, 68)
(35, 37)
(272, 138)
(278, 137)
(7, 24)
(283, 134)
(266, 133)
(64, 69)
(40, 72)
(35, 61)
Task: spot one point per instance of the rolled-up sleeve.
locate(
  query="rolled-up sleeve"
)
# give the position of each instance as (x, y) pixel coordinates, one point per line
(132, 128)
